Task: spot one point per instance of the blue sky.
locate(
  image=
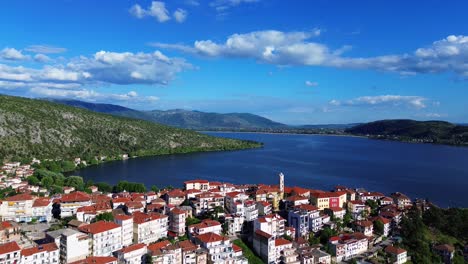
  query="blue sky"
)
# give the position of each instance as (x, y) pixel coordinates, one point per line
(297, 62)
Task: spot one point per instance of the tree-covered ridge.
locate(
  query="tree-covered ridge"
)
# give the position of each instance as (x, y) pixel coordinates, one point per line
(45, 130)
(416, 131)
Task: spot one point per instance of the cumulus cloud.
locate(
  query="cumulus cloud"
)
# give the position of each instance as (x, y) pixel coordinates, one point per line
(311, 84)
(417, 102)
(180, 15)
(297, 48)
(12, 54)
(192, 2)
(157, 9)
(46, 49)
(102, 68)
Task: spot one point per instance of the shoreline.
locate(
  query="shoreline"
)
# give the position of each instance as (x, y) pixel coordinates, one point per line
(280, 133)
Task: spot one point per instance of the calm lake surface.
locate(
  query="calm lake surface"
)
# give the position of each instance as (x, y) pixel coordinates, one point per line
(437, 172)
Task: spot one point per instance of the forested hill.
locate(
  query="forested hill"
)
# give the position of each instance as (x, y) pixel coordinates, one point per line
(184, 118)
(439, 132)
(43, 129)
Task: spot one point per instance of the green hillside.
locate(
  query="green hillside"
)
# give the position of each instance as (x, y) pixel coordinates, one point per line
(439, 132)
(42, 129)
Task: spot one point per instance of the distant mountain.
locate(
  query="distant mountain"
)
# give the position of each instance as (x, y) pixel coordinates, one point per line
(184, 118)
(330, 126)
(46, 130)
(415, 131)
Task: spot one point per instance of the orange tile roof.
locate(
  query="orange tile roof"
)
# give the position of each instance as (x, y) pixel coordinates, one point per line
(236, 248)
(98, 227)
(281, 242)
(196, 181)
(206, 223)
(394, 250)
(132, 248)
(123, 217)
(75, 197)
(96, 260)
(9, 247)
(139, 217)
(158, 245)
(262, 233)
(186, 245)
(39, 202)
(38, 249)
(19, 197)
(210, 237)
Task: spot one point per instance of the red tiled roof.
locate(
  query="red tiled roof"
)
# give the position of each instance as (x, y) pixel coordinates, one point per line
(121, 200)
(38, 249)
(364, 223)
(98, 227)
(5, 225)
(75, 197)
(39, 202)
(139, 217)
(9, 247)
(394, 250)
(177, 211)
(123, 217)
(176, 193)
(210, 237)
(134, 205)
(19, 197)
(281, 242)
(336, 209)
(262, 233)
(206, 223)
(307, 207)
(158, 245)
(295, 198)
(96, 260)
(186, 245)
(132, 248)
(236, 248)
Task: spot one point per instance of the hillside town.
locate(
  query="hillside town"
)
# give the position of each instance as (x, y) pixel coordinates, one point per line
(203, 222)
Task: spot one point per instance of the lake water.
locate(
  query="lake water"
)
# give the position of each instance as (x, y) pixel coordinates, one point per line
(437, 172)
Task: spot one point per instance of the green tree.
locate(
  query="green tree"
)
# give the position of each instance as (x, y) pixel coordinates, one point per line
(33, 180)
(379, 227)
(108, 216)
(313, 240)
(47, 181)
(76, 182)
(154, 188)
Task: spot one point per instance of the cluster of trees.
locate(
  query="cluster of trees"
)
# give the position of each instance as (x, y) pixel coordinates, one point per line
(54, 181)
(56, 165)
(421, 231)
(129, 187)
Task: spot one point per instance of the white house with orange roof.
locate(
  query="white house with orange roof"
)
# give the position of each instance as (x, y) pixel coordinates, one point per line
(357, 208)
(69, 203)
(264, 208)
(364, 226)
(202, 185)
(42, 209)
(10, 253)
(272, 224)
(206, 226)
(44, 254)
(134, 254)
(220, 249)
(149, 228)
(106, 237)
(206, 202)
(126, 222)
(177, 218)
(17, 208)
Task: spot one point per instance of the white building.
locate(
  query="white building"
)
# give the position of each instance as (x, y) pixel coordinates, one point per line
(69, 203)
(271, 224)
(305, 218)
(41, 254)
(10, 253)
(202, 185)
(357, 209)
(177, 219)
(348, 246)
(149, 228)
(220, 249)
(133, 254)
(74, 246)
(399, 255)
(106, 237)
(126, 222)
(206, 226)
(234, 224)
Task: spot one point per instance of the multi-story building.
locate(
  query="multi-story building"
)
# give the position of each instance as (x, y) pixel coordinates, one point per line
(69, 203)
(149, 228)
(357, 209)
(220, 249)
(192, 254)
(96, 260)
(177, 219)
(174, 197)
(401, 200)
(17, 208)
(386, 224)
(73, 245)
(126, 222)
(365, 227)
(325, 200)
(336, 212)
(9, 231)
(42, 209)
(264, 246)
(42, 254)
(271, 224)
(233, 200)
(264, 208)
(398, 255)
(106, 237)
(134, 254)
(347, 246)
(234, 223)
(305, 219)
(202, 185)
(206, 226)
(10, 253)
(207, 202)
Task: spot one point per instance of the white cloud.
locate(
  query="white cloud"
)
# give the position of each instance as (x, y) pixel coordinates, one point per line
(45, 49)
(296, 48)
(417, 102)
(223, 5)
(311, 84)
(157, 10)
(91, 95)
(102, 68)
(192, 2)
(12, 54)
(41, 58)
(180, 15)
